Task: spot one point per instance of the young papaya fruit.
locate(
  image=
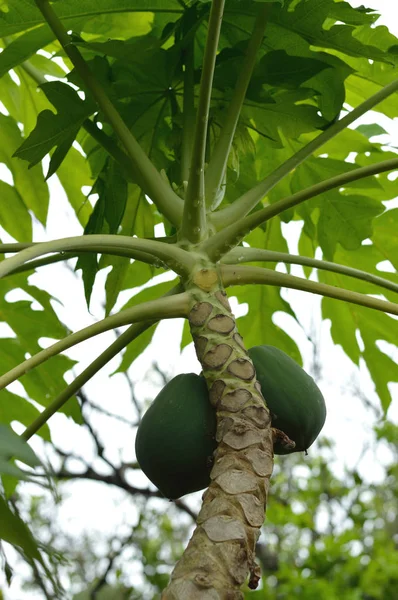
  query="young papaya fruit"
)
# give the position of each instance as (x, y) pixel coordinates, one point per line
(176, 437)
(295, 401)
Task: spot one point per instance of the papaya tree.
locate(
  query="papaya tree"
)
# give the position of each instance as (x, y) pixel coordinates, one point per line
(220, 121)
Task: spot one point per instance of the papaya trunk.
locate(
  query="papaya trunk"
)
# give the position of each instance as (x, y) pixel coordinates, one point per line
(221, 552)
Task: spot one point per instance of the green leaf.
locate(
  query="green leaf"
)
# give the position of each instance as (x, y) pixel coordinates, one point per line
(115, 195)
(347, 319)
(279, 69)
(16, 408)
(135, 349)
(12, 446)
(307, 20)
(14, 531)
(346, 220)
(385, 235)
(137, 220)
(138, 274)
(24, 46)
(88, 262)
(115, 280)
(14, 216)
(58, 129)
(14, 20)
(29, 183)
(371, 129)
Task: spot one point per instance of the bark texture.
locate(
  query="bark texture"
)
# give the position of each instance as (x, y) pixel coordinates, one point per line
(221, 552)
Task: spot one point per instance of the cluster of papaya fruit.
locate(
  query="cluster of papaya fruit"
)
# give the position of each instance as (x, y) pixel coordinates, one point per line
(176, 437)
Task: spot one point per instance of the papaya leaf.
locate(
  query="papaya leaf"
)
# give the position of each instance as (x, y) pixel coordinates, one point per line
(385, 235)
(43, 383)
(345, 219)
(14, 215)
(13, 21)
(58, 129)
(16, 408)
(24, 46)
(12, 446)
(29, 183)
(14, 531)
(280, 69)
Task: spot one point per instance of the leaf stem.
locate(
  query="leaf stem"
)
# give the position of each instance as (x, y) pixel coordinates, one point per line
(193, 226)
(215, 172)
(188, 111)
(239, 275)
(175, 258)
(50, 260)
(161, 308)
(143, 170)
(242, 255)
(241, 207)
(227, 238)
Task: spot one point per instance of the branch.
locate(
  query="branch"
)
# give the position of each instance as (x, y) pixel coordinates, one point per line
(242, 255)
(241, 207)
(193, 226)
(142, 168)
(237, 275)
(117, 481)
(177, 259)
(161, 308)
(227, 238)
(215, 171)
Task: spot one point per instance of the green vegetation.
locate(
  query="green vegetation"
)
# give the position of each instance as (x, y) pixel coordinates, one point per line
(189, 138)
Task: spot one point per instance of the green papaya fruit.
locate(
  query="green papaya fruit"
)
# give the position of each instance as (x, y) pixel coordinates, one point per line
(176, 437)
(295, 401)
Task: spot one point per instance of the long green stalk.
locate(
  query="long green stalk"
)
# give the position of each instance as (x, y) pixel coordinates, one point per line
(241, 207)
(215, 172)
(193, 226)
(50, 260)
(167, 201)
(175, 258)
(162, 308)
(188, 112)
(239, 275)
(242, 255)
(227, 238)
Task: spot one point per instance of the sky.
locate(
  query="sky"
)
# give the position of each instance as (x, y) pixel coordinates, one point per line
(346, 419)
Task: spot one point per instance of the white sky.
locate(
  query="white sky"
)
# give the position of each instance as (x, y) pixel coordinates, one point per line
(348, 423)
